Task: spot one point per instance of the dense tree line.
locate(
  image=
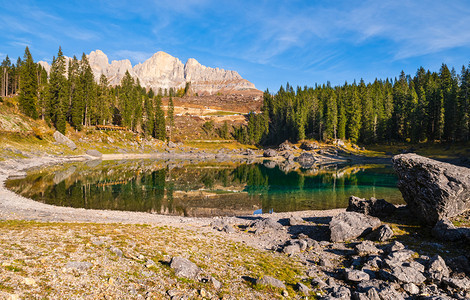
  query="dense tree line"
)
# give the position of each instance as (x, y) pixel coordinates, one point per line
(70, 94)
(427, 107)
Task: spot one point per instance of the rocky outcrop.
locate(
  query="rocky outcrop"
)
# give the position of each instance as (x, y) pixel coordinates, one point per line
(161, 71)
(62, 139)
(350, 225)
(374, 207)
(114, 72)
(433, 190)
(270, 153)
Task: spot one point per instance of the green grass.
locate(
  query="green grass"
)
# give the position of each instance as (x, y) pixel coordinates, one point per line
(222, 113)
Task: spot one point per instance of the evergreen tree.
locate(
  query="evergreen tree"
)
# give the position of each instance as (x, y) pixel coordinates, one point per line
(171, 116)
(159, 128)
(88, 108)
(76, 103)
(29, 86)
(58, 93)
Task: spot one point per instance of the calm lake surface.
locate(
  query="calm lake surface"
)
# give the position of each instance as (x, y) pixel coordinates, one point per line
(204, 189)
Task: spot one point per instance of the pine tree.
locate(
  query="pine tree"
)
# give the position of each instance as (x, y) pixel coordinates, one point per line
(75, 105)
(58, 93)
(29, 86)
(105, 103)
(88, 107)
(43, 91)
(353, 114)
(171, 116)
(159, 128)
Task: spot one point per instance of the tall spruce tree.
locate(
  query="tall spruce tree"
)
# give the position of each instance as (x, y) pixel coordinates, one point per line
(159, 128)
(171, 116)
(58, 93)
(29, 86)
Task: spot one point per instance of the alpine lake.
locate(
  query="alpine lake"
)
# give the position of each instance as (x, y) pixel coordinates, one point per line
(204, 189)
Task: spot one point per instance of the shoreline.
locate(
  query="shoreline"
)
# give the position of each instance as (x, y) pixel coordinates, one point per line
(17, 207)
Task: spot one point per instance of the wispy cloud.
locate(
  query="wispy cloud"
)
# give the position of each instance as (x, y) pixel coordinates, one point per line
(417, 27)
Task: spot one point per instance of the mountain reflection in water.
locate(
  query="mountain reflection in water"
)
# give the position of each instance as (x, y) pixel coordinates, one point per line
(204, 189)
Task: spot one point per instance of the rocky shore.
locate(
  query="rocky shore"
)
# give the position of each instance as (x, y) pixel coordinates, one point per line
(372, 250)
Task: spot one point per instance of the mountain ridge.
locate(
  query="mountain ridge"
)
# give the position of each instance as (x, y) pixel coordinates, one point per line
(164, 71)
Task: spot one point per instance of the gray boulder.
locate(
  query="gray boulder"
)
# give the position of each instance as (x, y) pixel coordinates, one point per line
(367, 248)
(407, 274)
(265, 224)
(411, 288)
(381, 234)
(444, 230)
(355, 275)
(269, 153)
(309, 146)
(457, 283)
(433, 190)
(94, 153)
(62, 139)
(291, 249)
(437, 268)
(302, 288)
(289, 156)
(285, 146)
(184, 267)
(270, 281)
(350, 225)
(374, 207)
(306, 160)
(294, 220)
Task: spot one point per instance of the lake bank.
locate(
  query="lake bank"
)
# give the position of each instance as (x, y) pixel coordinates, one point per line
(116, 253)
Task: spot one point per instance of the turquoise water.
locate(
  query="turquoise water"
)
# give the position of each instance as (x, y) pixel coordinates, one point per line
(205, 189)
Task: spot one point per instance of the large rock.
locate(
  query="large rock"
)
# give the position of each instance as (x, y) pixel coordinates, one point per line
(286, 146)
(94, 153)
(270, 281)
(184, 267)
(350, 225)
(433, 190)
(270, 153)
(375, 207)
(309, 146)
(62, 139)
(444, 230)
(306, 160)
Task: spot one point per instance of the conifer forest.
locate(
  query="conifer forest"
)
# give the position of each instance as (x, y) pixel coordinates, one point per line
(429, 106)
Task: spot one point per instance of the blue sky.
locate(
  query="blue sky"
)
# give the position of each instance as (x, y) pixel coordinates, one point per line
(267, 42)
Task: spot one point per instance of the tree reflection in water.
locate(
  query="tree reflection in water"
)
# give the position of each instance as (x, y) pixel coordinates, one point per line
(204, 189)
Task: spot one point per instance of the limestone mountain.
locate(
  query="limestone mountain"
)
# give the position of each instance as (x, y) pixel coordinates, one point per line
(165, 71)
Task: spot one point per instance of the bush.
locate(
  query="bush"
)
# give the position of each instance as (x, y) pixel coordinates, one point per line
(38, 133)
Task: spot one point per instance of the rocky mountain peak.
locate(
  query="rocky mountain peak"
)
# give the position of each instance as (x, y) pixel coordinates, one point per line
(163, 71)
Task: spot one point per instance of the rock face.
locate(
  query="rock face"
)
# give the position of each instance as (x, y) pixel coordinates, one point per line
(165, 71)
(350, 225)
(433, 190)
(161, 70)
(374, 207)
(62, 139)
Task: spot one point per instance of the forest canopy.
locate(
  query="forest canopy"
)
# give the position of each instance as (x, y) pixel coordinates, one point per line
(426, 107)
